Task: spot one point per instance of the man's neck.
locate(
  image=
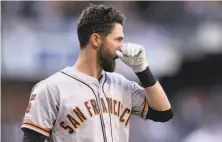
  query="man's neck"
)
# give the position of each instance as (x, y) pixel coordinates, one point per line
(87, 63)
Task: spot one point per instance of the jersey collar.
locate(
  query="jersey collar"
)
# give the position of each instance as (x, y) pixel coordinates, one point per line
(83, 77)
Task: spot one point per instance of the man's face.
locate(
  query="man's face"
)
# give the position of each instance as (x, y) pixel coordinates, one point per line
(107, 51)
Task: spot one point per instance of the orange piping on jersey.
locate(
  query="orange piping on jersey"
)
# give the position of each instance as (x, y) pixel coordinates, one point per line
(144, 106)
(34, 126)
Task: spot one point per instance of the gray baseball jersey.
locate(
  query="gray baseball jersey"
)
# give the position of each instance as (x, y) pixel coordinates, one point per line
(70, 106)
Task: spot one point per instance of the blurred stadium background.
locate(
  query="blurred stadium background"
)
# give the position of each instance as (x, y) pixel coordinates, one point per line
(183, 41)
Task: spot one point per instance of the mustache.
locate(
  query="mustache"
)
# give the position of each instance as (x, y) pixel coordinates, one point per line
(116, 57)
(104, 58)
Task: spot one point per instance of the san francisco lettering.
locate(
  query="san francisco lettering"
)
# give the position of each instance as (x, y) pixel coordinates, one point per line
(108, 106)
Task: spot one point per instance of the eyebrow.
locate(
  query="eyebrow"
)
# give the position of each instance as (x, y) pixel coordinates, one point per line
(120, 37)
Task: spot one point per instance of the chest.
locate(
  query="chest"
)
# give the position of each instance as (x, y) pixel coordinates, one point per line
(103, 108)
(89, 101)
(105, 94)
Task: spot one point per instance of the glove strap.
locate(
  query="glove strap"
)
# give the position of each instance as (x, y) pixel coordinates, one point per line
(146, 78)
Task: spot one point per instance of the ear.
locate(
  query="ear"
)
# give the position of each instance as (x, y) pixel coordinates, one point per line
(96, 40)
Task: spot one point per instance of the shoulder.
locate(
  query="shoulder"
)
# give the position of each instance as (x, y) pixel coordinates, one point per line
(48, 88)
(56, 79)
(116, 77)
(50, 84)
(119, 79)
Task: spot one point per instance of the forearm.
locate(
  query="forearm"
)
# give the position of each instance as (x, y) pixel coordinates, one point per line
(157, 98)
(159, 105)
(155, 94)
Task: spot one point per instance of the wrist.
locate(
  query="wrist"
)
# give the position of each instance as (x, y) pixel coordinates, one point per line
(140, 68)
(146, 77)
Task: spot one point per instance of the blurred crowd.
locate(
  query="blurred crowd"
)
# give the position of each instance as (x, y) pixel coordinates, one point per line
(45, 32)
(39, 38)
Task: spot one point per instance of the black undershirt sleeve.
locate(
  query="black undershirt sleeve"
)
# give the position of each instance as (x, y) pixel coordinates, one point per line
(32, 136)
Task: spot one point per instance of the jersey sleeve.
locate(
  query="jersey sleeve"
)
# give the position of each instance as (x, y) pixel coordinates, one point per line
(42, 109)
(139, 101)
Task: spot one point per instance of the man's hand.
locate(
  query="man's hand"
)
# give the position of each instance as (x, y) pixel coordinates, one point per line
(134, 56)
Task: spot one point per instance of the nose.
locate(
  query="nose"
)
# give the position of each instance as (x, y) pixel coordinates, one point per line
(120, 46)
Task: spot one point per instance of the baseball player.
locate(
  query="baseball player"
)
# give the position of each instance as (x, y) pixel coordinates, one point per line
(88, 102)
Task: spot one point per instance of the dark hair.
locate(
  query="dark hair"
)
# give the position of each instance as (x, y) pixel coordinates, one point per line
(97, 19)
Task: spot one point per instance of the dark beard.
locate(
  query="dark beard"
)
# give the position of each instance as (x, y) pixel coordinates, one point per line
(107, 62)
